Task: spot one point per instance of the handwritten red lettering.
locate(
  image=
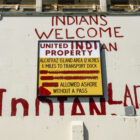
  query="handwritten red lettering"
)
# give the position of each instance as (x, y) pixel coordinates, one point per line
(103, 18)
(1, 98)
(110, 96)
(77, 33)
(136, 98)
(61, 104)
(57, 34)
(43, 34)
(76, 104)
(45, 100)
(116, 32)
(127, 95)
(23, 102)
(92, 107)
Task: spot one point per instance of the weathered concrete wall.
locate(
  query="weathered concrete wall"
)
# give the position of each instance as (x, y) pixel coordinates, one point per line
(103, 116)
(101, 128)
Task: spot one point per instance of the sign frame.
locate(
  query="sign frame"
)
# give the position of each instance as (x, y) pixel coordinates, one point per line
(38, 56)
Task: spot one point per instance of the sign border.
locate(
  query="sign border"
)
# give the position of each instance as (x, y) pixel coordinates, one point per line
(40, 96)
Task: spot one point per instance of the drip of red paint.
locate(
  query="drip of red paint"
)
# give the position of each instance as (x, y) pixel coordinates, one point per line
(44, 91)
(113, 114)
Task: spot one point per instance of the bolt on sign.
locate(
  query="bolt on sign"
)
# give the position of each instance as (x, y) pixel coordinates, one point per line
(69, 68)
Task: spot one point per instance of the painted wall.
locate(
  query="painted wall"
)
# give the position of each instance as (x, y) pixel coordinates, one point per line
(19, 38)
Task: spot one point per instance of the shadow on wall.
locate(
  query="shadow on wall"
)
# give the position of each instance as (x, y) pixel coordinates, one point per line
(86, 133)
